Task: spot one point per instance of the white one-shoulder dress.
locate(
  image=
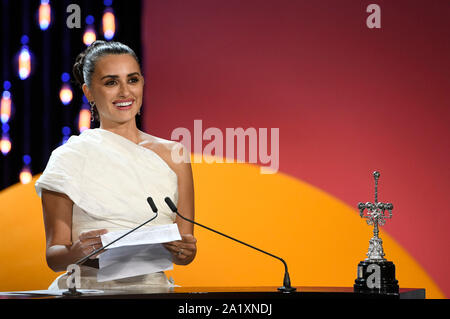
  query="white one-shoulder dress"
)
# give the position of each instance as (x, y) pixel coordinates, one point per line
(109, 178)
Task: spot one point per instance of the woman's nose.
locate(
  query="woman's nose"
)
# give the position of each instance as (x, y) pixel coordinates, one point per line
(124, 90)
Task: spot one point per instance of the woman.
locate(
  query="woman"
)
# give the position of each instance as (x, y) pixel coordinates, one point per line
(99, 181)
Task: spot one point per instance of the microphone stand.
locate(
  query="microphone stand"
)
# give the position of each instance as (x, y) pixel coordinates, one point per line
(286, 288)
(73, 291)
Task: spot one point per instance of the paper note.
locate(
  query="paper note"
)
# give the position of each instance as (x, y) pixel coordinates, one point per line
(139, 253)
(149, 235)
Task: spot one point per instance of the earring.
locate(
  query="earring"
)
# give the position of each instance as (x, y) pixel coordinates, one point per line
(92, 104)
(139, 112)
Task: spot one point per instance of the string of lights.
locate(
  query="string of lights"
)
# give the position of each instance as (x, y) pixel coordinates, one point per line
(6, 106)
(24, 72)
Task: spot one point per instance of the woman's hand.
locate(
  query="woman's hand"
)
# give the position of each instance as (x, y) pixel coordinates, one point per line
(89, 241)
(184, 250)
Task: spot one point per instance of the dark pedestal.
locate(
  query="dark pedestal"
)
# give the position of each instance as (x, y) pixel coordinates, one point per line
(376, 277)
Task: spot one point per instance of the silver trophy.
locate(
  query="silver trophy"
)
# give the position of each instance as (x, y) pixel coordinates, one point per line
(375, 273)
(376, 215)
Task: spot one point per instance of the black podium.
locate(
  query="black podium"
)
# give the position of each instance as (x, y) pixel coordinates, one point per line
(218, 302)
(229, 293)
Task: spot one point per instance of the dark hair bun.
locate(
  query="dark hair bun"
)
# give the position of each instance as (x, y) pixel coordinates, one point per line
(77, 69)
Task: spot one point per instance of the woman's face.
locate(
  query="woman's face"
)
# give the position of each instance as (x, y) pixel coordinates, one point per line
(116, 88)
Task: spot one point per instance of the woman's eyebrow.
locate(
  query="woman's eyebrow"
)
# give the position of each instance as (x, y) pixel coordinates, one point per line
(116, 76)
(134, 73)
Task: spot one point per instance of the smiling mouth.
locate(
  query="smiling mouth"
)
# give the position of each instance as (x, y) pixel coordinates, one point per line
(124, 105)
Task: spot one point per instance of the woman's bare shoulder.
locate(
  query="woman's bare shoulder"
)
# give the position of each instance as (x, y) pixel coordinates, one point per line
(172, 152)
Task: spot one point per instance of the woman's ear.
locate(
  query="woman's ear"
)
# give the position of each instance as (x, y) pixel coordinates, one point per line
(87, 92)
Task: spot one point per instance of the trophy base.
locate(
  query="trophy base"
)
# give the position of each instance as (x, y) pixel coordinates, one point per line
(376, 277)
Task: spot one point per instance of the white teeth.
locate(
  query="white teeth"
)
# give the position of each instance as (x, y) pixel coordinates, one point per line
(123, 104)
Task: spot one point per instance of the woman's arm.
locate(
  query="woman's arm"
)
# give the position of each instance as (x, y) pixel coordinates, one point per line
(61, 252)
(183, 250)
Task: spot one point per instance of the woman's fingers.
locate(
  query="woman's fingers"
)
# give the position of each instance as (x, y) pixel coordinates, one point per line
(92, 234)
(177, 246)
(172, 249)
(183, 248)
(91, 241)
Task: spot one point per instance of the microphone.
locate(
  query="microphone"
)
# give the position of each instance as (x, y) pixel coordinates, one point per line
(286, 288)
(73, 291)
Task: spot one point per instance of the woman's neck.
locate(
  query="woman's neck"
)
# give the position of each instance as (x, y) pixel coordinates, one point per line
(128, 130)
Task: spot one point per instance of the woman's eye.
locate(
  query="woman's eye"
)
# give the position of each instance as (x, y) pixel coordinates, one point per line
(113, 82)
(109, 83)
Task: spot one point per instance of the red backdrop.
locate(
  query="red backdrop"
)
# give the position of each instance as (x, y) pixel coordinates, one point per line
(347, 99)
